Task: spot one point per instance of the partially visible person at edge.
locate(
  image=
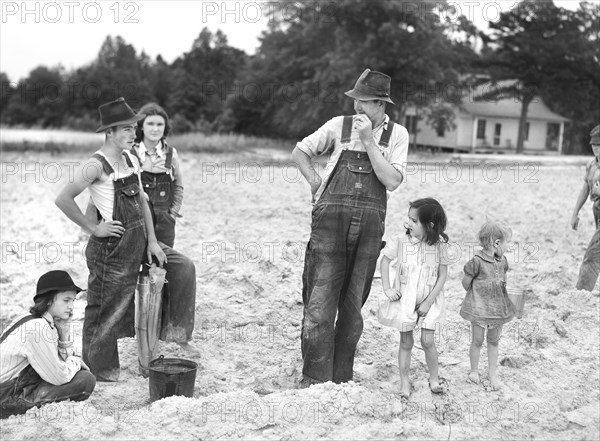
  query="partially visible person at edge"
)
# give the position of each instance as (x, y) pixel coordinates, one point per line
(38, 364)
(590, 267)
(161, 172)
(163, 184)
(116, 246)
(366, 158)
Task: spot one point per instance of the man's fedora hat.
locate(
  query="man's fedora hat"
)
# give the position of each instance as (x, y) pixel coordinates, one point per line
(117, 113)
(372, 85)
(54, 281)
(595, 135)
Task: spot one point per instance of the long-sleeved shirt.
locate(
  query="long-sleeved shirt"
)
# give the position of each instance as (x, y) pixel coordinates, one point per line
(156, 164)
(36, 343)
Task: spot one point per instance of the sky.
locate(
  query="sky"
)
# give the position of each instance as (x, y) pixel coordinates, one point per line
(70, 33)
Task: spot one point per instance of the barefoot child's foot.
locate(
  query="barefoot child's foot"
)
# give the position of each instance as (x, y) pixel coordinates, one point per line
(404, 390)
(473, 377)
(495, 383)
(435, 386)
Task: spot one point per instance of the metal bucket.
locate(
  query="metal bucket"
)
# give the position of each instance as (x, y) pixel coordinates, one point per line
(172, 376)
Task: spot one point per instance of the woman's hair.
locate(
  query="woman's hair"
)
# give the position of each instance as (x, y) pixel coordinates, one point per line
(149, 110)
(433, 218)
(42, 304)
(492, 230)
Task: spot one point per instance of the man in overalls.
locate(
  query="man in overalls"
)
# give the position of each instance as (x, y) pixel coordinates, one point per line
(590, 267)
(116, 246)
(367, 156)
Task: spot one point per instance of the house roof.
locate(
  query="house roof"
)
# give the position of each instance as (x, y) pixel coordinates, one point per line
(506, 107)
(511, 108)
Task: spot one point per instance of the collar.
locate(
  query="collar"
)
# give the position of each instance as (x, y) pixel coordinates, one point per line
(384, 124)
(487, 258)
(412, 240)
(142, 150)
(49, 319)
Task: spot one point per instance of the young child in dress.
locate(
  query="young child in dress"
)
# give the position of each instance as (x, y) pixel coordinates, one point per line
(487, 305)
(422, 267)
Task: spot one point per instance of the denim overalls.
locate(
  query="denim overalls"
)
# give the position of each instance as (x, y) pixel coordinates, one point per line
(179, 299)
(348, 223)
(159, 188)
(114, 264)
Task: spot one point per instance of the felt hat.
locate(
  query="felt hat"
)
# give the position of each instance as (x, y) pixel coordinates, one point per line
(372, 85)
(54, 281)
(117, 113)
(595, 135)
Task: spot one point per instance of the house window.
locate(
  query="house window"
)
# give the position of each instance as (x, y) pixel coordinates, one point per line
(411, 124)
(441, 128)
(526, 135)
(497, 131)
(481, 129)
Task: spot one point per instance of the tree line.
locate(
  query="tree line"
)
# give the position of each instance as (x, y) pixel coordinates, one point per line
(297, 77)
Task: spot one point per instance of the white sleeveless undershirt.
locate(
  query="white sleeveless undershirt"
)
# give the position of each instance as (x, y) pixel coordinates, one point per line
(102, 190)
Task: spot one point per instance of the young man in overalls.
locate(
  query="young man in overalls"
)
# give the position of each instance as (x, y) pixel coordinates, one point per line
(590, 267)
(116, 246)
(367, 156)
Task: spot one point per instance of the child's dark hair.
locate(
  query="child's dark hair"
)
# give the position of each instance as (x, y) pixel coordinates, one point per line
(42, 304)
(433, 218)
(151, 109)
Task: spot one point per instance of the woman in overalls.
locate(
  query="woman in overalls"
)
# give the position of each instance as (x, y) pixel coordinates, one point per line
(161, 172)
(162, 181)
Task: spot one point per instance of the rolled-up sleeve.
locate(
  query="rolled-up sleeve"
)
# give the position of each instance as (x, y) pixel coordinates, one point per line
(321, 141)
(399, 149)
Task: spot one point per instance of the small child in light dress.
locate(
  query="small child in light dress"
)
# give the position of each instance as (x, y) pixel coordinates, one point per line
(487, 305)
(422, 267)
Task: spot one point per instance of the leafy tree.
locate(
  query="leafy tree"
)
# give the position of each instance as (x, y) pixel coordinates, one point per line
(540, 46)
(203, 78)
(37, 99)
(6, 92)
(306, 63)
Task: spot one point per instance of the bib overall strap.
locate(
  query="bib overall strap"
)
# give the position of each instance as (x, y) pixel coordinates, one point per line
(169, 158)
(135, 153)
(384, 141)
(346, 130)
(108, 169)
(128, 160)
(15, 326)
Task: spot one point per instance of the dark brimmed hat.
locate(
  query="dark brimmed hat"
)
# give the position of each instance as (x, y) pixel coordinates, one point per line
(595, 135)
(372, 85)
(117, 113)
(54, 281)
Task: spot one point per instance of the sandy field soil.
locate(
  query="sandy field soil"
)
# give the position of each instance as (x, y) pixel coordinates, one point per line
(246, 222)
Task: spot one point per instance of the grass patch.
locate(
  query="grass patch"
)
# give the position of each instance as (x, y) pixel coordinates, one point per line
(57, 142)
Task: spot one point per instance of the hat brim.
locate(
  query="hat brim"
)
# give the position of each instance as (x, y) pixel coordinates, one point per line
(57, 288)
(357, 95)
(132, 120)
(595, 141)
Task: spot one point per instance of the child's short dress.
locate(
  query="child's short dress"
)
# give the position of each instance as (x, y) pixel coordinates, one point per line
(417, 266)
(487, 303)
